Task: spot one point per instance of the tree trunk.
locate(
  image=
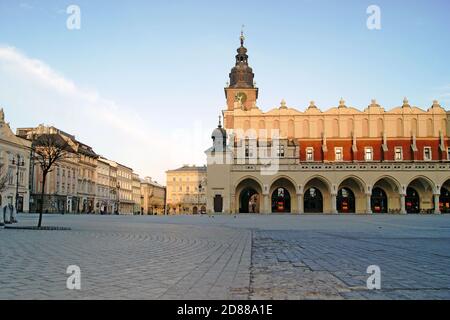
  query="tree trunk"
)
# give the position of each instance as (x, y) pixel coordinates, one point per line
(41, 211)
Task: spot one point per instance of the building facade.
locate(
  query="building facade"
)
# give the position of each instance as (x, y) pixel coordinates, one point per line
(104, 202)
(137, 198)
(342, 160)
(70, 186)
(186, 190)
(153, 197)
(14, 168)
(125, 189)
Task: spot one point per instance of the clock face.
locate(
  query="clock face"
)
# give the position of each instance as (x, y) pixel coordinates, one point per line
(241, 96)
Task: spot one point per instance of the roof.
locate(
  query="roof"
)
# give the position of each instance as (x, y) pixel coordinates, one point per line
(188, 168)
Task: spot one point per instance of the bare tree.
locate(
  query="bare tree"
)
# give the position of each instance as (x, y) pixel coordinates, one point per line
(48, 150)
(4, 177)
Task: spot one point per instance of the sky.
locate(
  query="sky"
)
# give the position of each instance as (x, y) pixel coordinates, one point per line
(142, 81)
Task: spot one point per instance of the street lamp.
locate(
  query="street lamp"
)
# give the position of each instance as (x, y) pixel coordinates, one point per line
(199, 190)
(118, 197)
(19, 163)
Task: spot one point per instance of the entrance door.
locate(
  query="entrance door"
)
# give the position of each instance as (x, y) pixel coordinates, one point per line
(218, 203)
(379, 202)
(444, 200)
(248, 201)
(345, 201)
(313, 201)
(412, 201)
(195, 210)
(281, 200)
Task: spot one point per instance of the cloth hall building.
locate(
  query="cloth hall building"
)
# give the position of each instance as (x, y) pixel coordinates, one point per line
(342, 160)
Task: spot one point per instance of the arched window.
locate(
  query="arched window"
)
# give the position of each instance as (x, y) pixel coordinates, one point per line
(429, 127)
(291, 129)
(414, 126)
(305, 129)
(380, 127)
(335, 128)
(320, 128)
(365, 128)
(350, 127)
(399, 127)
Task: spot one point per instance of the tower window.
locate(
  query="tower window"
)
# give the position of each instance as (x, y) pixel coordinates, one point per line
(309, 154)
(368, 153)
(427, 154)
(398, 153)
(338, 154)
(280, 152)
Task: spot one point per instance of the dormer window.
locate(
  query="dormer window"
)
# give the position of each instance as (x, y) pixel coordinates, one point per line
(427, 154)
(309, 154)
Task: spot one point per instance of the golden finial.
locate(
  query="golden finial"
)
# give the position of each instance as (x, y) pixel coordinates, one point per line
(242, 35)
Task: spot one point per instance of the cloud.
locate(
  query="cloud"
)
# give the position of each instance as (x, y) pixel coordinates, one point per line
(36, 91)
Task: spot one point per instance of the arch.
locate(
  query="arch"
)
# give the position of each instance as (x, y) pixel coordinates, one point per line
(313, 201)
(444, 200)
(250, 178)
(320, 128)
(423, 188)
(335, 128)
(246, 125)
(399, 127)
(425, 182)
(379, 201)
(291, 129)
(322, 179)
(281, 200)
(248, 195)
(365, 128)
(412, 200)
(323, 188)
(203, 210)
(380, 127)
(429, 127)
(414, 126)
(351, 196)
(276, 124)
(282, 191)
(391, 181)
(195, 210)
(305, 128)
(352, 178)
(351, 127)
(392, 188)
(262, 124)
(346, 201)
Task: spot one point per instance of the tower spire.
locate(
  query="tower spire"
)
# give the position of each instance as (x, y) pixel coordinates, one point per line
(242, 36)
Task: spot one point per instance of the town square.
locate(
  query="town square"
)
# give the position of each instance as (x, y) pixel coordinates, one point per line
(198, 151)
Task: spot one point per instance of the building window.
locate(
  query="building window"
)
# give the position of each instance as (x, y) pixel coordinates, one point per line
(280, 151)
(248, 152)
(398, 153)
(368, 154)
(427, 154)
(338, 154)
(448, 153)
(309, 154)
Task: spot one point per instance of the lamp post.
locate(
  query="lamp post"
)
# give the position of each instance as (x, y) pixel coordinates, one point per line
(118, 197)
(19, 163)
(199, 191)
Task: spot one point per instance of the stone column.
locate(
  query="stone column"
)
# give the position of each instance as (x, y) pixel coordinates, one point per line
(369, 203)
(301, 210)
(333, 204)
(437, 210)
(402, 202)
(266, 203)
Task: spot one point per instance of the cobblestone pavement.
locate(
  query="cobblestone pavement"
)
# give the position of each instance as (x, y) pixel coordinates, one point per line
(226, 257)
